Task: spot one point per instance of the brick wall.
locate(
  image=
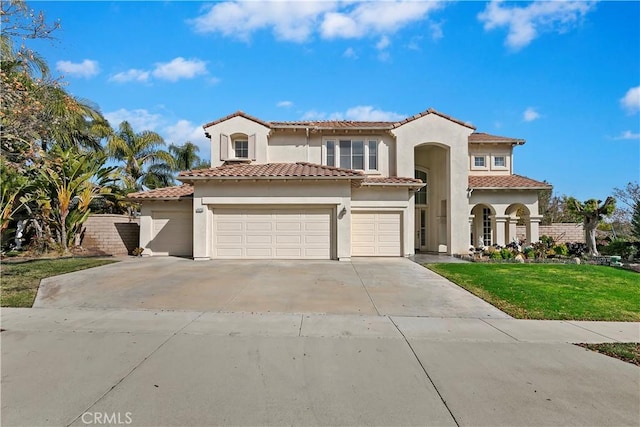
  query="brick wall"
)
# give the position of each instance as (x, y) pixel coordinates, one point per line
(561, 232)
(112, 234)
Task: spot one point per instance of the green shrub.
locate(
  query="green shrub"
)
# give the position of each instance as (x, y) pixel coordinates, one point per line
(561, 249)
(496, 255)
(506, 253)
(618, 247)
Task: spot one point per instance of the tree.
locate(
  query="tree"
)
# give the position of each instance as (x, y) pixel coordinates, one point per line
(635, 221)
(185, 156)
(12, 185)
(145, 163)
(555, 208)
(592, 213)
(68, 182)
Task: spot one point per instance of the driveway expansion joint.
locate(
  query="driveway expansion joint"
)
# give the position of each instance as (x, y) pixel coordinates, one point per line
(444, 402)
(133, 369)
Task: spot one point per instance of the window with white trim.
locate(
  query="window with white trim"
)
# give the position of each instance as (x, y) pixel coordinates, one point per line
(359, 154)
(500, 161)
(479, 161)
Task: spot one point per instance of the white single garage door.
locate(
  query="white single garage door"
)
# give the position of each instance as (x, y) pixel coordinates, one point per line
(375, 234)
(272, 233)
(172, 233)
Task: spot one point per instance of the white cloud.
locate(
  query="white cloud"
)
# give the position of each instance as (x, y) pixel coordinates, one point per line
(526, 23)
(357, 113)
(130, 75)
(183, 131)
(179, 68)
(87, 68)
(291, 21)
(631, 100)
(368, 113)
(350, 53)
(371, 18)
(436, 30)
(139, 119)
(284, 104)
(530, 114)
(628, 135)
(177, 133)
(383, 43)
(298, 21)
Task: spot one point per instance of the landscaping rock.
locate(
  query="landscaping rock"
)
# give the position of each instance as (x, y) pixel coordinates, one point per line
(519, 258)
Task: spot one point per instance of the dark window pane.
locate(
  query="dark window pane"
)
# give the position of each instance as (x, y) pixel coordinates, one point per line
(373, 155)
(331, 153)
(358, 154)
(345, 154)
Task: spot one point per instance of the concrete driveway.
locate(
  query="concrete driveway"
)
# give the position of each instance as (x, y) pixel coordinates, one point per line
(370, 286)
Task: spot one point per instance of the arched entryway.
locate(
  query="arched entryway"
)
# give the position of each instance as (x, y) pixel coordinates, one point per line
(483, 226)
(432, 228)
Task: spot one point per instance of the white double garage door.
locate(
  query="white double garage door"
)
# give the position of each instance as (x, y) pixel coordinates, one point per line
(287, 233)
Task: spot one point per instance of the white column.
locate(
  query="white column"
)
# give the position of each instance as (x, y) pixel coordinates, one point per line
(201, 233)
(500, 229)
(533, 231)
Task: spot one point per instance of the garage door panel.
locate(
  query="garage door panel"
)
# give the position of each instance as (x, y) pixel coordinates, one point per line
(284, 226)
(257, 253)
(237, 239)
(273, 233)
(253, 239)
(376, 234)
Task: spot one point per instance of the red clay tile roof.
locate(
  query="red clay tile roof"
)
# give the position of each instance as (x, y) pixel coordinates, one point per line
(506, 181)
(437, 113)
(392, 180)
(339, 124)
(479, 137)
(271, 170)
(237, 114)
(184, 191)
(333, 124)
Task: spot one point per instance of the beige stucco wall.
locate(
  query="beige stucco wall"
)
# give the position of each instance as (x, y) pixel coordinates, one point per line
(489, 151)
(334, 194)
(234, 125)
(146, 218)
(453, 137)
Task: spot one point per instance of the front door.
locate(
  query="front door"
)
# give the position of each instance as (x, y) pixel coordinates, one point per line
(421, 229)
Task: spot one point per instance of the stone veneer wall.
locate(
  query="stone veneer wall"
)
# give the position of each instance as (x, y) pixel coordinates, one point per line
(111, 234)
(560, 231)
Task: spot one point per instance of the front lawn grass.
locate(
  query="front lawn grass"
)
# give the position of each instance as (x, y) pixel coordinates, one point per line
(19, 282)
(551, 291)
(627, 351)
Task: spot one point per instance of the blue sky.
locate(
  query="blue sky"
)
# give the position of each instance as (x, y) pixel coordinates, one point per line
(565, 76)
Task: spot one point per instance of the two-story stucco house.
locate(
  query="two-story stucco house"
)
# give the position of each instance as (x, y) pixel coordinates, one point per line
(339, 189)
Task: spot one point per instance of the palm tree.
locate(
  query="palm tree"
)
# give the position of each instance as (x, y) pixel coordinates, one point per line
(186, 156)
(146, 164)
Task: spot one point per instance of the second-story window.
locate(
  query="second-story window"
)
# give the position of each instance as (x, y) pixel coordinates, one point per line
(241, 148)
(359, 154)
(478, 161)
(499, 161)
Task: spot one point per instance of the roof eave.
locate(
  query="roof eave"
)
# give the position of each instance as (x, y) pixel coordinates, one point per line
(251, 178)
(512, 188)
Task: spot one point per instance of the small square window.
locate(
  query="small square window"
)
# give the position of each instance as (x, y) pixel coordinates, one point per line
(499, 161)
(478, 161)
(241, 148)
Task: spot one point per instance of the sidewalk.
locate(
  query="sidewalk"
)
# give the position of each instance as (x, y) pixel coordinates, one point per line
(68, 366)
